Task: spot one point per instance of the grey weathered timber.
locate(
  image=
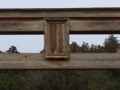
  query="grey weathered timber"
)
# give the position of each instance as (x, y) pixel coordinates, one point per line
(76, 61)
(21, 25)
(56, 38)
(36, 26)
(81, 20)
(65, 12)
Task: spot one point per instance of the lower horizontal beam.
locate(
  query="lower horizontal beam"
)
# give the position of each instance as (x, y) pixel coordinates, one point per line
(76, 61)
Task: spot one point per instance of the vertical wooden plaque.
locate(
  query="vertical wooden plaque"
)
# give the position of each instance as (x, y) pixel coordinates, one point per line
(56, 38)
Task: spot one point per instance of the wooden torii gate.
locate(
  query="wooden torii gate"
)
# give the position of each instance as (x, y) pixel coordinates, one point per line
(56, 25)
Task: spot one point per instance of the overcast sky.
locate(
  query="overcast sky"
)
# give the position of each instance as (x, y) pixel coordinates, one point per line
(35, 43)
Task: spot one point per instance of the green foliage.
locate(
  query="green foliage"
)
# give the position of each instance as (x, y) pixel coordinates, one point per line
(96, 49)
(12, 49)
(74, 48)
(11, 82)
(85, 47)
(71, 80)
(111, 44)
(101, 80)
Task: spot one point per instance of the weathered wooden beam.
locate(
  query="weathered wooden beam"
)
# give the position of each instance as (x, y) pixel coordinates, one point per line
(82, 20)
(95, 26)
(76, 61)
(14, 26)
(76, 26)
(60, 12)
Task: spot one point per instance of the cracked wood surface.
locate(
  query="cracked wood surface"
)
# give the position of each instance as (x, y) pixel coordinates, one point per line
(76, 61)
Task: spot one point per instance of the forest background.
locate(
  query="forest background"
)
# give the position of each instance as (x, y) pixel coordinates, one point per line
(65, 79)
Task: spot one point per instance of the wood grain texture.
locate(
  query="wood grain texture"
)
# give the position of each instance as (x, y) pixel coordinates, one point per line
(76, 26)
(21, 25)
(95, 25)
(52, 37)
(76, 61)
(69, 13)
(61, 38)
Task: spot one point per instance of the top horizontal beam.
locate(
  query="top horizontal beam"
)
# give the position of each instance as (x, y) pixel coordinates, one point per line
(60, 12)
(81, 20)
(59, 9)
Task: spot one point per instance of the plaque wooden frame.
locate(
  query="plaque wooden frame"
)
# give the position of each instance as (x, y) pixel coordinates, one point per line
(56, 37)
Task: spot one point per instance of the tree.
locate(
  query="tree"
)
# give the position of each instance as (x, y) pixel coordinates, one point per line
(11, 82)
(100, 49)
(12, 49)
(93, 48)
(111, 44)
(85, 47)
(101, 80)
(74, 48)
(96, 49)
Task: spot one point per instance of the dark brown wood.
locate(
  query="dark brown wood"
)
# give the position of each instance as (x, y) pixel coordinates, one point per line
(52, 37)
(76, 61)
(69, 13)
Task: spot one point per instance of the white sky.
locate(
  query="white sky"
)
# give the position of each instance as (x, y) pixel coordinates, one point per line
(35, 43)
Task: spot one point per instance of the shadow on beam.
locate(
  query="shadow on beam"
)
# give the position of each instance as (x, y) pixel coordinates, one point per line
(41, 32)
(21, 32)
(94, 32)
